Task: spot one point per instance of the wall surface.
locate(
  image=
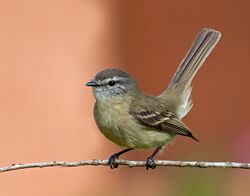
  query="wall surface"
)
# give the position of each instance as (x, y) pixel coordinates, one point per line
(50, 49)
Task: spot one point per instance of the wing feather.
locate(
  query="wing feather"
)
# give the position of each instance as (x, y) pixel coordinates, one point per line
(163, 121)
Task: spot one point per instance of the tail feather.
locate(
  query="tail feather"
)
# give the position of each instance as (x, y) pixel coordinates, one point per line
(177, 94)
(202, 46)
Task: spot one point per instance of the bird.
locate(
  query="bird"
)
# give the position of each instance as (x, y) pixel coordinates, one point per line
(133, 119)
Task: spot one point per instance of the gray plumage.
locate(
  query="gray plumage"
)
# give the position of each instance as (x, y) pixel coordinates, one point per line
(133, 119)
(177, 93)
(111, 73)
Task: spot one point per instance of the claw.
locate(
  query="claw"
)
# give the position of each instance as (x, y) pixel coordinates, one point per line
(111, 161)
(150, 163)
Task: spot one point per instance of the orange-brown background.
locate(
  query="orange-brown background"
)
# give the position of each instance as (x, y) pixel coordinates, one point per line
(50, 49)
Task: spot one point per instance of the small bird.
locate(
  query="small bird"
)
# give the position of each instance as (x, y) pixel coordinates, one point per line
(135, 120)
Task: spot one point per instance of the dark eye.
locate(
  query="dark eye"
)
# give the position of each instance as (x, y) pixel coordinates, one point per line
(111, 83)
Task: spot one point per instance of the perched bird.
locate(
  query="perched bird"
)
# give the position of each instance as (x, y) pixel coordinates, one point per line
(134, 120)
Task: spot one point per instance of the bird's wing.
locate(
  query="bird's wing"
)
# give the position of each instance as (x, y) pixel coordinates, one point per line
(162, 121)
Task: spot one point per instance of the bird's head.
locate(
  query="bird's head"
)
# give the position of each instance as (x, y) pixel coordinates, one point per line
(111, 83)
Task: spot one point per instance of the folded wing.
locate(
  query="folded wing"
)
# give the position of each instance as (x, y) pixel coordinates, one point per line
(163, 121)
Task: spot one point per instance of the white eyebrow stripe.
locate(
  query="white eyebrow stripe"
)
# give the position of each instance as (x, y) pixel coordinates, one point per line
(115, 78)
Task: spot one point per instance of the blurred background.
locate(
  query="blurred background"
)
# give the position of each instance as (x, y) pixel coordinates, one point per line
(49, 49)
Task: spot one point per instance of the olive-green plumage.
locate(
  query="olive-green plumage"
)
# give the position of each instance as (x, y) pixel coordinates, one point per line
(118, 122)
(133, 119)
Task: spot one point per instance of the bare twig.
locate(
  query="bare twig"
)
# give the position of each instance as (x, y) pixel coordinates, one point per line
(96, 162)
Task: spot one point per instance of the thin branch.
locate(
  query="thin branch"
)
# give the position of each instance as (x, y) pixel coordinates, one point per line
(97, 162)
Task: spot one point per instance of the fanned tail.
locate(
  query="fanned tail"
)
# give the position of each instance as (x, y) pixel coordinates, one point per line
(178, 92)
(202, 46)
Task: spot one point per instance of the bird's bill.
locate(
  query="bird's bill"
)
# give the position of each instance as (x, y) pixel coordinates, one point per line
(92, 83)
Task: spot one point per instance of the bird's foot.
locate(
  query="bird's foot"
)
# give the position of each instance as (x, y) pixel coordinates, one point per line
(111, 161)
(150, 163)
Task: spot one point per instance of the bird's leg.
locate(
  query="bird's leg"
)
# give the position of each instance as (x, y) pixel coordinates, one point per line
(150, 161)
(112, 158)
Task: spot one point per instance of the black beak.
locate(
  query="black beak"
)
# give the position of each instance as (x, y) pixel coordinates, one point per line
(92, 83)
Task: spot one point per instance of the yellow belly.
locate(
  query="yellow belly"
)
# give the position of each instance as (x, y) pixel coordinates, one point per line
(120, 127)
